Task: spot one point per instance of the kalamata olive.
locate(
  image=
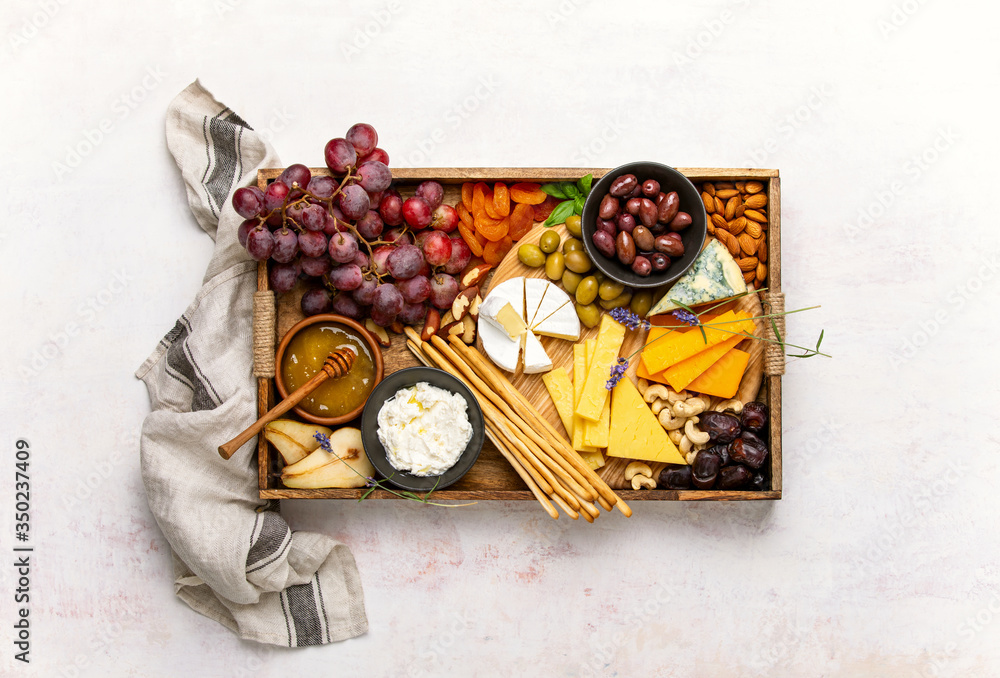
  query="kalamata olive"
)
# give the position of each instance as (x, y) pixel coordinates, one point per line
(623, 185)
(607, 225)
(604, 242)
(659, 261)
(680, 222)
(608, 208)
(647, 212)
(625, 248)
(759, 483)
(636, 191)
(643, 238)
(733, 477)
(720, 427)
(650, 187)
(672, 247)
(625, 222)
(749, 451)
(632, 206)
(658, 228)
(667, 208)
(754, 416)
(705, 470)
(675, 477)
(642, 266)
(722, 449)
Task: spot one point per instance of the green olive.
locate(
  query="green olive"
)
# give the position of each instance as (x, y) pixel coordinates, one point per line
(573, 225)
(531, 255)
(571, 281)
(586, 291)
(555, 266)
(641, 302)
(618, 302)
(589, 315)
(549, 242)
(578, 261)
(610, 289)
(571, 245)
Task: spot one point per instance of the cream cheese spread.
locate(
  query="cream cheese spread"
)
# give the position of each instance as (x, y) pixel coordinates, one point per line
(424, 429)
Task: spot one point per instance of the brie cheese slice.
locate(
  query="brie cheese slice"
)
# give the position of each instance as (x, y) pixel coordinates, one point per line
(535, 358)
(561, 323)
(535, 290)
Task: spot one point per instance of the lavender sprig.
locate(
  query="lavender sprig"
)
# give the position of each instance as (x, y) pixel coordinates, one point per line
(629, 319)
(686, 317)
(617, 372)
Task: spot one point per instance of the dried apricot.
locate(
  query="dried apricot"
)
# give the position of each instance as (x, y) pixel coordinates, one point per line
(521, 220)
(494, 233)
(527, 194)
(467, 196)
(479, 199)
(465, 216)
(501, 198)
(469, 236)
(489, 202)
(494, 252)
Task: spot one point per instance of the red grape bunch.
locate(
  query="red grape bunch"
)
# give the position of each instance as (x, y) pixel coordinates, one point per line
(375, 253)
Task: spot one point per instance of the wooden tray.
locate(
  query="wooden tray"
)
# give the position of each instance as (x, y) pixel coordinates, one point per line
(492, 477)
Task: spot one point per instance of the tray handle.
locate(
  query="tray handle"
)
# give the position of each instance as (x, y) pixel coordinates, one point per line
(264, 322)
(774, 354)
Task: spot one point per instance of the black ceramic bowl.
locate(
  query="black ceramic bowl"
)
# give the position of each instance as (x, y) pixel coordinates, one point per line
(693, 236)
(376, 452)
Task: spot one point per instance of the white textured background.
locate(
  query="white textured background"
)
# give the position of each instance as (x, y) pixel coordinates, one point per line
(881, 560)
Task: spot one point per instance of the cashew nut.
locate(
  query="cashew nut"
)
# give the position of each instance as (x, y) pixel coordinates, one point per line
(675, 435)
(675, 397)
(643, 385)
(640, 482)
(657, 405)
(638, 468)
(691, 456)
(654, 391)
(686, 446)
(732, 404)
(668, 420)
(693, 434)
(689, 407)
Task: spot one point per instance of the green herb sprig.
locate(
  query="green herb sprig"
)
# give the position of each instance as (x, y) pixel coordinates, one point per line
(573, 196)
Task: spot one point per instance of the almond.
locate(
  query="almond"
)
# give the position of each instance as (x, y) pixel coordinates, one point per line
(729, 241)
(747, 244)
(726, 193)
(752, 228)
(719, 221)
(381, 336)
(720, 206)
(709, 201)
(731, 206)
(463, 301)
(711, 227)
(762, 250)
(747, 263)
(737, 225)
(761, 272)
(708, 187)
(756, 201)
(724, 185)
(739, 210)
(749, 277)
(754, 215)
(432, 323)
(741, 186)
(473, 275)
(754, 187)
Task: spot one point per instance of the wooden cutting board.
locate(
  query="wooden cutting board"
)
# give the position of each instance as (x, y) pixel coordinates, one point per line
(561, 351)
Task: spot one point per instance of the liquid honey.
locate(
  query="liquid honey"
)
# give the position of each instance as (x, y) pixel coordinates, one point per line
(303, 359)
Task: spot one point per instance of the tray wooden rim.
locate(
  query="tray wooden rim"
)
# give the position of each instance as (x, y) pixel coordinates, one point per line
(452, 175)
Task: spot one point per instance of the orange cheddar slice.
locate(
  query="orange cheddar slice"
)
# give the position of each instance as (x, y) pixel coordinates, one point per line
(672, 349)
(723, 378)
(689, 369)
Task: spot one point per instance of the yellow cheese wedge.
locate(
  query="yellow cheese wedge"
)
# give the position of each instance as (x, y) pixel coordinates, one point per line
(672, 349)
(635, 432)
(723, 378)
(595, 433)
(560, 389)
(579, 377)
(609, 342)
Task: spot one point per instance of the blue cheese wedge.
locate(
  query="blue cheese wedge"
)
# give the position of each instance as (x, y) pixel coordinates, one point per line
(714, 276)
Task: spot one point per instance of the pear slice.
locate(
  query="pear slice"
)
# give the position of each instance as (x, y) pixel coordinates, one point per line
(293, 439)
(347, 466)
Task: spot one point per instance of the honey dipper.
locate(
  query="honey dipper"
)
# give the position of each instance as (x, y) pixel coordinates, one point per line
(337, 364)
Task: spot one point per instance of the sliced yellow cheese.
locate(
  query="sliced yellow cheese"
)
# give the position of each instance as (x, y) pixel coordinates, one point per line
(579, 377)
(723, 378)
(594, 460)
(687, 370)
(635, 432)
(609, 342)
(560, 389)
(595, 433)
(672, 349)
